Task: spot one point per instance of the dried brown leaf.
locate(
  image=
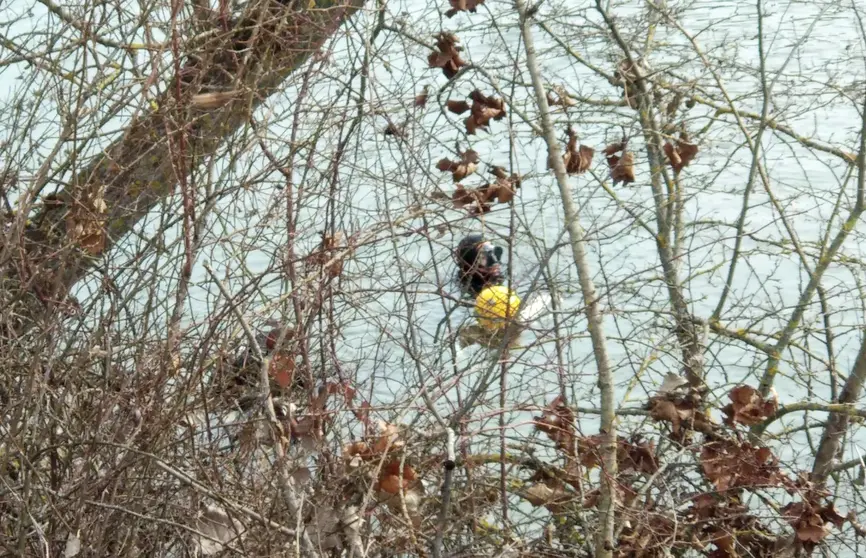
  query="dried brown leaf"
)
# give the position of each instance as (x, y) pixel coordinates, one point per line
(577, 159)
(503, 190)
(421, 98)
(390, 479)
(682, 410)
(557, 421)
(212, 100)
(457, 107)
(728, 464)
(637, 455)
(463, 6)
(621, 166)
(550, 494)
(483, 110)
(748, 407)
(282, 369)
(681, 153)
(460, 169)
(498, 172)
(446, 55)
(463, 197)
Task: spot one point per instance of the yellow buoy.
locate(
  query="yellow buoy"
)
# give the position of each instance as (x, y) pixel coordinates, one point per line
(494, 306)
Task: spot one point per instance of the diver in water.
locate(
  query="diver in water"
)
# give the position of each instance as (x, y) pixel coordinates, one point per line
(480, 264)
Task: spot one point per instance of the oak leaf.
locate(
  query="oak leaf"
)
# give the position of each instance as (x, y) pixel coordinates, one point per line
(503, 189)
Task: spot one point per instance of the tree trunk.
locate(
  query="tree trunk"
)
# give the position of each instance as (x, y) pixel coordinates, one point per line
(210, 97)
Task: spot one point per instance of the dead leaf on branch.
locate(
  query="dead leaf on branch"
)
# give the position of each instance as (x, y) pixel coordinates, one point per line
(499, 172)
(447, 55)
(626, 76)
(387, 440)
(463, 197)
(480, 200)
(625, 495)
(282, 369)
(463, 6)
(391, 480)
(621, 166)
(457, 107)
(577, 159)
(326, 252)
(562, 98)
(748, 407)
(631, 455)
(550, 493)
(682, 410)
(421, 98)
(728, 465)
(812, 522)
(726, 523)
(681, 153)
(557, 421)
(812, 516)
(460, 169)
(637, 455)
(484, 109)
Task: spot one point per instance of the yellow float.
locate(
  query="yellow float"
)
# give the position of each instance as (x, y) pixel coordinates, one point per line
(494, 306)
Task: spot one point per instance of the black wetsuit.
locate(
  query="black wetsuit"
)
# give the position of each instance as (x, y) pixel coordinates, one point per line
(479, 263)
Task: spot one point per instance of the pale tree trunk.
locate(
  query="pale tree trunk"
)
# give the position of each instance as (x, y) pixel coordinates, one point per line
(607, 502)
(204, 104)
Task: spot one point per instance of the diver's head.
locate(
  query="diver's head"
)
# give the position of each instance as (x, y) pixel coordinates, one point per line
(476, 254)
(480, 263)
